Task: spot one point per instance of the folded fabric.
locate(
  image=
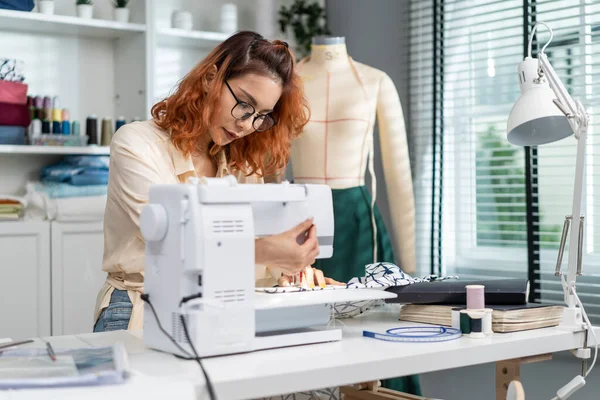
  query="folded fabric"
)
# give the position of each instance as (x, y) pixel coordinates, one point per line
(11, 207)
(13, 92)
(62, 190)
(14, 114)
(12, 134)
(78, 171)
(11, 69)
(18, 5)
(10, 199)
(74, 209)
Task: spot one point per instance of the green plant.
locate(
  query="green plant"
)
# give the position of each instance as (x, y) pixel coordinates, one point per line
(501, 198)
(85, 2)
(306, 20)
(120, 3)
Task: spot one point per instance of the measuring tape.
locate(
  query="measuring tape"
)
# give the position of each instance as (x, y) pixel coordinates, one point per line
(416, 334)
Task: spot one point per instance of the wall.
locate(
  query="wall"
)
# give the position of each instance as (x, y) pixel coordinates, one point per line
(377, 34)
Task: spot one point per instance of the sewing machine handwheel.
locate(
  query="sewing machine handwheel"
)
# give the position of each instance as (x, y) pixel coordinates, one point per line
(153, 222)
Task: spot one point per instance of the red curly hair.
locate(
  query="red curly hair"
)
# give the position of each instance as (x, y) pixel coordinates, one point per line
(187, 113)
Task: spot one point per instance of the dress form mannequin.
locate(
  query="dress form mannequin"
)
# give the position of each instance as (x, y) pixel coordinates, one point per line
(336, 147)
(346, 98)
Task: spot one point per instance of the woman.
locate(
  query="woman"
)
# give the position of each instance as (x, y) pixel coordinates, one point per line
(235, 113)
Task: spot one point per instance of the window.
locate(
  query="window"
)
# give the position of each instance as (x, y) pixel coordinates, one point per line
(486, 208)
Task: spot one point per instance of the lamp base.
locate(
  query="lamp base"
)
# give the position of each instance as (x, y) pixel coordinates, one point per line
(572, 319)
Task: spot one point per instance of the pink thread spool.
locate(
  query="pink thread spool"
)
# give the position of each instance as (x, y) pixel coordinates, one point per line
(475, 297)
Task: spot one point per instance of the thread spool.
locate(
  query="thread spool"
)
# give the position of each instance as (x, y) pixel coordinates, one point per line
(487, 321)
(475, 297)
(76, 128)
(56, 127)
(106, 132)
(91, 129)
(465, 322)
(119, 123)
(456, 318)
(476, 318)
(36, 128)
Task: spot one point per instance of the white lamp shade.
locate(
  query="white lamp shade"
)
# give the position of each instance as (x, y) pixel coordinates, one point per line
(535, 119)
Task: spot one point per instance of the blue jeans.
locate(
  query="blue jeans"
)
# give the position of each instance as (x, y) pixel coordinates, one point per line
(116, 316)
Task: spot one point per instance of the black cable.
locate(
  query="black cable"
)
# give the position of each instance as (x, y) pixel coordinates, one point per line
(209, 386)
(211, 391)
(146, 298)
(190, 297)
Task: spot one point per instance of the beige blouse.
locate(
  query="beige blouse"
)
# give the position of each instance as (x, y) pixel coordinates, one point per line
(142, 154)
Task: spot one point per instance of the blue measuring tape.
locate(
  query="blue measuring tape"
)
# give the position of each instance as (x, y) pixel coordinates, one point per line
(416, 334)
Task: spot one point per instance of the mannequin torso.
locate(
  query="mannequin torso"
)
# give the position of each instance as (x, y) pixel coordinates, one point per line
(336, 147)
(335, 144)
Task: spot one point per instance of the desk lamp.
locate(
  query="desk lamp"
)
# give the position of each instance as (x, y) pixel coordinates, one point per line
(546, 113)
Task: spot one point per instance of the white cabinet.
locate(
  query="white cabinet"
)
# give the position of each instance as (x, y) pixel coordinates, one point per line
(77, 275)
(24, 279)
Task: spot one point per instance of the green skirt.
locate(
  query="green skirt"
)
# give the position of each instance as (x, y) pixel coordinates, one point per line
(353, 250)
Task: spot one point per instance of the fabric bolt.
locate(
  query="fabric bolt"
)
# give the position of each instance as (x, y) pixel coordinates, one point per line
(13, 92)
(14, 114)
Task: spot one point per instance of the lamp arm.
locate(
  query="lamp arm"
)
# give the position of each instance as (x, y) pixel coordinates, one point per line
(578, 119)
(565, 102)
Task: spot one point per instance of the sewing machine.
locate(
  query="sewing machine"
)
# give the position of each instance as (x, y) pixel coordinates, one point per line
(200, 264)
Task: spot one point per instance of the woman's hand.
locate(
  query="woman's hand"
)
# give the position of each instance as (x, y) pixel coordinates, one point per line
(309, 277)
(289, 251)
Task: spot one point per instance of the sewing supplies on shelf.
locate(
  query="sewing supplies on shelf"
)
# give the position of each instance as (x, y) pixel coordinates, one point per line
(416, 334)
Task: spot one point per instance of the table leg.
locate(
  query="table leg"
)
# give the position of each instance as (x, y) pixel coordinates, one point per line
(510, 370)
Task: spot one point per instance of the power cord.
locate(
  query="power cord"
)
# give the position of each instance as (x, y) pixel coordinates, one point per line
(211, 391)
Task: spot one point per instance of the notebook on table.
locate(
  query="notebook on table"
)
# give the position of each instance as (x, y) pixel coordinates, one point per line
(505, 318)
(453, 291)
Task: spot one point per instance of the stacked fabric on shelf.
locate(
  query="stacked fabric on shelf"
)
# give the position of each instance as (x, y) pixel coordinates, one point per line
(11, 207)
(71, 190)
(14, 110)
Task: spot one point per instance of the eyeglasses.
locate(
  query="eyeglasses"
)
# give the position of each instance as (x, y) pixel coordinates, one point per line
(242, 111)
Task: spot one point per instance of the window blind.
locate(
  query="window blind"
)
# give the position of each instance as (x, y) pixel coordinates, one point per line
(425, 135)
(486, 208)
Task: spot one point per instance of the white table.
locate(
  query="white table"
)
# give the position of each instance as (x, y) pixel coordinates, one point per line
(354, 359)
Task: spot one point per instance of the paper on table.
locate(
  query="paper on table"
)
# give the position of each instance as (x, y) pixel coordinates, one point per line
(33, 368)
(37, 366)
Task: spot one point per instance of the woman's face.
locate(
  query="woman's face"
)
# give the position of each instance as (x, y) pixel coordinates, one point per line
(259, 91)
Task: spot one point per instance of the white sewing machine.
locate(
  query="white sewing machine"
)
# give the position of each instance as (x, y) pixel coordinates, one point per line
(200, 264)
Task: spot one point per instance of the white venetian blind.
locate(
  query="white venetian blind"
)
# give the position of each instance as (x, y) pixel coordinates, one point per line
(486, 208)
(477, 182)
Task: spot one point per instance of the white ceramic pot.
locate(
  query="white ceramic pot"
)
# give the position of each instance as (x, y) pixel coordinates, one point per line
(182, 20)
(122, 14)
(85, 11)
(46, 7)
(228, 18)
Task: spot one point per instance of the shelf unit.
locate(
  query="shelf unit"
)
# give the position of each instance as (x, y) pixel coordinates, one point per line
(25, 149)
(64, 25)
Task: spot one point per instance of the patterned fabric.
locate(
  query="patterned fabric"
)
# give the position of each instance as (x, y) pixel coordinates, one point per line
(11, 70)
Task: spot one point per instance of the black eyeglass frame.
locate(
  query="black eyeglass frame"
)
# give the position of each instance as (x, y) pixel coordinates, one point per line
(256, 115)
